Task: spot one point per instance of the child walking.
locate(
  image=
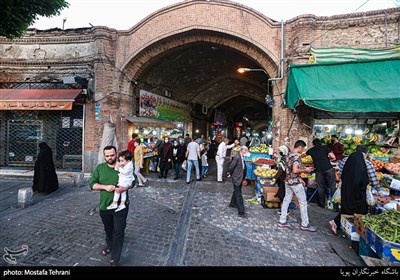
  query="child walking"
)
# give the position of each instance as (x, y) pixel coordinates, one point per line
(204, 163)
(125, 179)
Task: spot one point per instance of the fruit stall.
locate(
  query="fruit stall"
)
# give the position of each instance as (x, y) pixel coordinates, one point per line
(253, 160)
(265, 185)
(148, 154)
(378, 233)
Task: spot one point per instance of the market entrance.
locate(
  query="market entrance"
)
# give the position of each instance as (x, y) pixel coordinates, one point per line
(203, 75)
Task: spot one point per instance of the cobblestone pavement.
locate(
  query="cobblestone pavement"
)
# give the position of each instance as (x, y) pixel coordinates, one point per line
(170, 223)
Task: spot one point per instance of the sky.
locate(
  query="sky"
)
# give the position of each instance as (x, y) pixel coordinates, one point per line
(124, 14)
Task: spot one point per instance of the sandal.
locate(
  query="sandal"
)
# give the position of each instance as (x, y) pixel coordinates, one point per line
(105, 251)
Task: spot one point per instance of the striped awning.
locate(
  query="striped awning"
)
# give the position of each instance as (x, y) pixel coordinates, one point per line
(345, 54)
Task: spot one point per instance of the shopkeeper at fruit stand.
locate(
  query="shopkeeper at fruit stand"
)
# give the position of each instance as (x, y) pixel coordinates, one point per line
(386, 149)
(324, 172)
(337, 148)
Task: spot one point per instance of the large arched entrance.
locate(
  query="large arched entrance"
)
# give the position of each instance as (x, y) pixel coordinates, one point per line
(196, 63)
(203, 75)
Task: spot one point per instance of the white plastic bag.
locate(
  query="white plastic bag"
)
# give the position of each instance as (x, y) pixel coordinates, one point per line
(370, 198)
(336, 198)
(153, 165)
(184, 165)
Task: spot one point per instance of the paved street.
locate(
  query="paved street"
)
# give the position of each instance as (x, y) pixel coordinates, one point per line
(170, 223)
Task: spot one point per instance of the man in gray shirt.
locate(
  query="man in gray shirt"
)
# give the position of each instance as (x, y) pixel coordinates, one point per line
(193, 156)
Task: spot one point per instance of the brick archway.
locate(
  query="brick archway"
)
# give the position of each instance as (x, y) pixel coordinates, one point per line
(224, 23)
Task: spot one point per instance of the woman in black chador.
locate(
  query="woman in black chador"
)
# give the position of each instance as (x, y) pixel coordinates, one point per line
(45, 178)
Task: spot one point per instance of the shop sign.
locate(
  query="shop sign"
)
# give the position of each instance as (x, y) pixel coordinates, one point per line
(158, 107)
(220, 118)
(35, 105)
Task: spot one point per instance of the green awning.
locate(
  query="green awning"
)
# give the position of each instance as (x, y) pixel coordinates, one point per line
(358, 86)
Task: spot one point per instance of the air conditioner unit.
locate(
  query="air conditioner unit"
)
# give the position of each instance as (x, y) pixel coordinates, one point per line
(75, 80)
(84, 91)
(204, 110)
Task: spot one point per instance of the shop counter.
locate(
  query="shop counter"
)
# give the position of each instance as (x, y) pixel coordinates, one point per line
(146, 163)
(250, 156)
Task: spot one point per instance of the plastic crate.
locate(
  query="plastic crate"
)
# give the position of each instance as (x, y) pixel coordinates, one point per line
(384, 159)
(386, 250)
(250, 170)
(265, 182)
(364, 249)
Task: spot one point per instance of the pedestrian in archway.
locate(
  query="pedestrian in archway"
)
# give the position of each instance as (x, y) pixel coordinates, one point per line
(237, 169)
(220, 157)
(45, 177)
(165, 158)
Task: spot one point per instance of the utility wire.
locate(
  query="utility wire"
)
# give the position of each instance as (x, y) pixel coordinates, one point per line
(361, 6)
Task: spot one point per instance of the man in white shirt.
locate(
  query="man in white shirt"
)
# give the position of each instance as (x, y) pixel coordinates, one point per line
(220, 157)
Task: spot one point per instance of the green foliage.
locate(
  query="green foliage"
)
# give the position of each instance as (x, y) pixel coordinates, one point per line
(17, 15)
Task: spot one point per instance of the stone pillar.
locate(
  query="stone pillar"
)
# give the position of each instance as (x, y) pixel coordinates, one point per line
(78, 180)
(25, 197)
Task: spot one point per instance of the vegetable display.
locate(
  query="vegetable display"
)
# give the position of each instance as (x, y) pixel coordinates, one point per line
(386, 224)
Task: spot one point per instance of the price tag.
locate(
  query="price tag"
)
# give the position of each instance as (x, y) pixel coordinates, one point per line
(395, 185)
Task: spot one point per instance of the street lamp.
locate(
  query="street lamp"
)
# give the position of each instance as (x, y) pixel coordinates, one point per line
(244, 70)
(268, 99)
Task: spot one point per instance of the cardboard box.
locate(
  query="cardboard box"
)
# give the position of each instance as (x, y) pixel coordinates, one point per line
(270, 197)
(347, 226)
(386, 250)
(270, 190)
(360, 226)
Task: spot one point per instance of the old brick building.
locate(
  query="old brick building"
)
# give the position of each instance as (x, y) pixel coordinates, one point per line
(189, 51)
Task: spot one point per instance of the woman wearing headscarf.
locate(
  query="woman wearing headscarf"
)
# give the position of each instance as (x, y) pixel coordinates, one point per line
(165, 154)
(281, 174)
(45, 177)
(355, 173)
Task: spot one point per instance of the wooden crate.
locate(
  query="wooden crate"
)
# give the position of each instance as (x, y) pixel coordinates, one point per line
(360, 226)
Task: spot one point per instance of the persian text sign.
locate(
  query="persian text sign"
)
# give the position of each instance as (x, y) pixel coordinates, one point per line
(158, 107)
(35, 105)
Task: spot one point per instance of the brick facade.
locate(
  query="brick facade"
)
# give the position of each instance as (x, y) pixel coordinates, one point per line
(114, 57)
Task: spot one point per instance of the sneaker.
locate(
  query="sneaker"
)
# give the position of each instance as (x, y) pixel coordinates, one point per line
(279, 212)
(113, 263)
(309, 228)
(333, 227)
(112, 206)
(121, 207)
(283, 225)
